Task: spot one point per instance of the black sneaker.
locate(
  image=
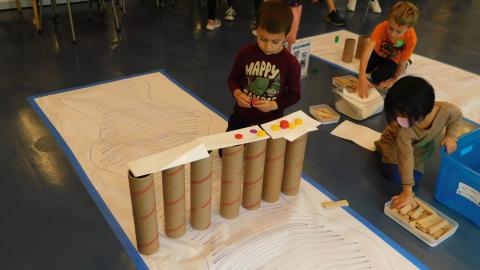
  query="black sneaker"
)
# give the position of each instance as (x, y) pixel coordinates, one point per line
(334, 18)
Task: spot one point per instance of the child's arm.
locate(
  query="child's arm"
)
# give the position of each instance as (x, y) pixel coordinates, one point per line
(454, 124)
(363, 83)
(234, 82)
(406, 165)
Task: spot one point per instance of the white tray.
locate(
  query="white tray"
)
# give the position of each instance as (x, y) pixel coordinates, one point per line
(417, 232)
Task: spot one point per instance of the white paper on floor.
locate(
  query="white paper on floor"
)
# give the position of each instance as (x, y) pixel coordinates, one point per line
(451, 84)
(107, 125)
(361, 135)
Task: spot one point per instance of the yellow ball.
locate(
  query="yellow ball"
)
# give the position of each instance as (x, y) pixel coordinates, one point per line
(298, 121)
(275, 127)
(292, 126)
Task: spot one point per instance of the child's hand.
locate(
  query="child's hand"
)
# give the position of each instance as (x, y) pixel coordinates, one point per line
(450, 144)
(387, 83)
(265, 105)
(402, 199)
(362, 88)
(243, 100)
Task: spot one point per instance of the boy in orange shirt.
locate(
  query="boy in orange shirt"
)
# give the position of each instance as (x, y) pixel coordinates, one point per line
(390, 47)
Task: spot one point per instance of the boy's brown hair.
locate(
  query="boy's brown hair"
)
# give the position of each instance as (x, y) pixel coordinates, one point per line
(404, 13)
(275, 16)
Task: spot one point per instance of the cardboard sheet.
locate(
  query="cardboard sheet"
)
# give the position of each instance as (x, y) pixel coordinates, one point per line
(294, 130)
(361, 135)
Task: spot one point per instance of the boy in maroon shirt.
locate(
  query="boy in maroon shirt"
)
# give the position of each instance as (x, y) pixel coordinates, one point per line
(265, 78)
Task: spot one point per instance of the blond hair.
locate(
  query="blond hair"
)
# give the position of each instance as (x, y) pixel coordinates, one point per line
(404, 13)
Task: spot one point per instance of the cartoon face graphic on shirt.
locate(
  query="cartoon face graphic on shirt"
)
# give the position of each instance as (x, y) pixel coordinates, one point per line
(262, 80)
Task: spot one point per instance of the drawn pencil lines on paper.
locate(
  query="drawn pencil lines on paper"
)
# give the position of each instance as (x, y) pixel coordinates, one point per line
(132, 124)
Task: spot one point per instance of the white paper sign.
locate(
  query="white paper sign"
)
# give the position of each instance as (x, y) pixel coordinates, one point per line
(301, 50)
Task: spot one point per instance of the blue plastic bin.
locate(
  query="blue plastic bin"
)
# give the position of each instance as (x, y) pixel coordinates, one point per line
(458, 181)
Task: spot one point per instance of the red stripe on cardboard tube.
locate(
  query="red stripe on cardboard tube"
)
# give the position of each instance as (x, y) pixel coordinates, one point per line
(149, 214)
(203, 205)
(275, 158)
(232, 202)
(254, 204)
(292, 188)
(176, 228)
(175, 201)
(257, 155)
(199, 181)
(254, 181)
(229, 181)
(295, 165)
(226, 154)
(149, 242)
(140, 192)
(175, 171)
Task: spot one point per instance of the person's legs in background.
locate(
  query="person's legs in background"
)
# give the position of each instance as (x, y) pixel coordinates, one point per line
(333, 17)
(297, 16)
(213, 23)
(230, 13)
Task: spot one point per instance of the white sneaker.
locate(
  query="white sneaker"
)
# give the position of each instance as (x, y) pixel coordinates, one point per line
(213, 24)
(375, 6)
(351, 5)
(230, 14)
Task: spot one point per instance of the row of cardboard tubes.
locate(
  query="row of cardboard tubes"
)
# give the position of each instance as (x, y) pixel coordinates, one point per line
(251, 172)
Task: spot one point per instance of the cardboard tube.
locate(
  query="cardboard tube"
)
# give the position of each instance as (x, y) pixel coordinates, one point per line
(292, 171)
(348, 50)
(201, 193)
(232, 179)
(142, 194)
(274, 161)
(361, 44)
(253, 176)
(173, 181)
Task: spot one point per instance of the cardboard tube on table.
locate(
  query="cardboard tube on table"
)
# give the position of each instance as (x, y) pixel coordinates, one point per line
(274, 161)
(361, 44)
(173, 181)
(253, 176)
(201, 193)
(348, 50)
(294, 158)
(142, 194)
(232, 179)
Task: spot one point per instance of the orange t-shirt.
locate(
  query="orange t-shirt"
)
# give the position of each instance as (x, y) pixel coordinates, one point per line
(401, 49)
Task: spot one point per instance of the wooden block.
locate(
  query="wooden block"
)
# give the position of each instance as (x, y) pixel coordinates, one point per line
(329, 205)
(426, 207)
(438, 226)
(416, 214)
(413, 223)
(429, 221)
(407, 208)
(443, 231)
(426, 235)
(403, 218)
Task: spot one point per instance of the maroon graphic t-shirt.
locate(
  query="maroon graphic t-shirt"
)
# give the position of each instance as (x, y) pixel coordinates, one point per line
(268, 77)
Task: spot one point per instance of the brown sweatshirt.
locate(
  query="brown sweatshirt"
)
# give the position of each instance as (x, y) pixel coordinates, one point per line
(410, 147)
